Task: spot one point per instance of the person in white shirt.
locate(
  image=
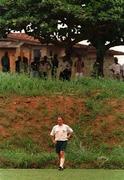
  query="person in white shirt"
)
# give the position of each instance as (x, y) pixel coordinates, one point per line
(115, 68)
(79, 67)
(60, 134)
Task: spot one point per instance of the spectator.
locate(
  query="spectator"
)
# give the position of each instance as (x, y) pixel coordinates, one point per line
(115, 68)
(18, 64)
(5, 62)
(44, 68)
(65, 70)
(34, 68)
(122, 72)
(25, 64)
(54, 63)
(96, 71)
(79, 67)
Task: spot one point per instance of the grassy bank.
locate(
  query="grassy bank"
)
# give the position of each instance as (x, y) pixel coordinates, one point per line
(23, 85)
(94, 108)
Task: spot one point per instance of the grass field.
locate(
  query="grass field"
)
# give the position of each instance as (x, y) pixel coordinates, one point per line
(68, 174)
(13, 84)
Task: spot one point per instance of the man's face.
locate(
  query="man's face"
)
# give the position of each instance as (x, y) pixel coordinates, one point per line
(60, 121)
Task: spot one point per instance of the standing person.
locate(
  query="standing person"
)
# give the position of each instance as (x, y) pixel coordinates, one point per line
(65, 69)
(54, 62)
(122, 71)
(60, 134)
(79, 67)
(96, 70)
(115, 68)
(34, 67)
(25, 64)
(44, 67)
(18, 64)
(5, 62)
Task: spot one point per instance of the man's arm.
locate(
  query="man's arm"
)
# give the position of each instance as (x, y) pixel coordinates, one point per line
(53, 139)
(52, 134)
(69, 135)
(111, 68)
(70, 132)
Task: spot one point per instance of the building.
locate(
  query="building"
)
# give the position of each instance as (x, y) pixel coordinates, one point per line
(20, 44)
(89, 54)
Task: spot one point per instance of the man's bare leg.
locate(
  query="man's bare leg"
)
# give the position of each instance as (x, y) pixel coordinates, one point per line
(62, 158)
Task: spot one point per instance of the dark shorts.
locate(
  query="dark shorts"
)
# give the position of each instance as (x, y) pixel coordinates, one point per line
(61, 146)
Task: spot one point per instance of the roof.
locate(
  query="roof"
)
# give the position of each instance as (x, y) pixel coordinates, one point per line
(113, 52)
(16, 38)
(91, 49)
(23, 37)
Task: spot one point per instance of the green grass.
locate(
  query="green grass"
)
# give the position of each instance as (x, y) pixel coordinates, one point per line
(22, 159)
(68, 174)
(23, 85)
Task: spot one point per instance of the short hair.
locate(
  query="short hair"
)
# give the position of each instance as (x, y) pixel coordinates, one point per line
(115, 59)
(60, 117)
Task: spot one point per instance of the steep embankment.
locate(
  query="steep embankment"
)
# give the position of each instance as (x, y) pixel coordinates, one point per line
(29, 108)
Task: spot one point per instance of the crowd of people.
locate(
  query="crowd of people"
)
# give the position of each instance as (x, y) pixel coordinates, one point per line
(116, 70)
(20, 63)
(58, 69)
(43, 67)
(61, 69)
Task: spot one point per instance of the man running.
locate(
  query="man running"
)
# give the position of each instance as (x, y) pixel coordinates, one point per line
(60, 134)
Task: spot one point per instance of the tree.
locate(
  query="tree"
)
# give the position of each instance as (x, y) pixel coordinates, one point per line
(70, 21)
(3, 28)
(104, 23)
(105, 26)
(48, 20)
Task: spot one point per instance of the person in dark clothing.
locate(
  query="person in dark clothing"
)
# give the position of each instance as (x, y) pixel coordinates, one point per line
(35, 68)
(96, 71)
(5, 62)
(44, 67)
(54, 63)
(65, 72)
(25, 64)
(18, 64)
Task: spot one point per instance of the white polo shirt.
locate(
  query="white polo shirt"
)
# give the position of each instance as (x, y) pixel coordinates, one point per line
(122, 67)
(61, 132)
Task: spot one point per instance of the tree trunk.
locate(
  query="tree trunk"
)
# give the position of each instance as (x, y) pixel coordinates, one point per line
(100, 53)
(68, 51)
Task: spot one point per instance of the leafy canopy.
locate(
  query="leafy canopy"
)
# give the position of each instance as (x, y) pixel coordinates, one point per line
(69, 21)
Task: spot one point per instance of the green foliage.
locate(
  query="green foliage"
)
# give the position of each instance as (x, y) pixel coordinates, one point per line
(23, 152)
(96, 107)
(24, 143)
(22, 159)
(68, 22)
(96, 90)
(92, 20)
(78, 154)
